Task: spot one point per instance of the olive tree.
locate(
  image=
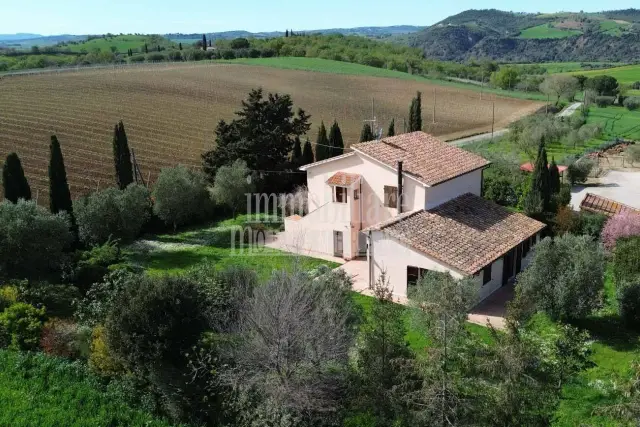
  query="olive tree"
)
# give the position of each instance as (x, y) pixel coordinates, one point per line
(560, 85)
(181, 196)
(232, 185)
(32, 239)
(112, 213)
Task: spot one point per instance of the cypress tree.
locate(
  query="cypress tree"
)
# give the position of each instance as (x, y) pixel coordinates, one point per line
(146, 48)
(335, 140)
(296, 155)
(158, 48)
(392, 128)
(540, 181)
(59, 194)
(323, 151)
(122, 157)
(554, 177)
(367, 133)
(307, 154)
(415, 114)
(180, 46)
(286, 34)
(204, 42)
(14, 182)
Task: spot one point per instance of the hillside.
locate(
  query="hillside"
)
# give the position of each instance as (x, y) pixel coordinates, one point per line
(524, 37)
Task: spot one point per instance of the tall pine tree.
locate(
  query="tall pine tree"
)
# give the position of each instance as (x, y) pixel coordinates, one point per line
(307, 153)
(59, 194)
(335, 140)
(323, 150)
(554, 177)
(540, 180)
(392, 128)
(415, 114)
(14, 182)
(367, 133)
(122, 157)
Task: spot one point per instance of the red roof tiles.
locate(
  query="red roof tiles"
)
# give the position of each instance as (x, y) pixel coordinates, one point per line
(467, 233)
(602, 205)
(425, 157)
(343, 179)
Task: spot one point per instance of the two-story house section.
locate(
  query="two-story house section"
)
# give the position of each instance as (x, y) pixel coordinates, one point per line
(411, 203)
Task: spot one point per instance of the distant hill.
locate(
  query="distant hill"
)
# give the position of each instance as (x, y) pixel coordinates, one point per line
(374, 32)
(18, 36)
(526, 37)
(28, 40)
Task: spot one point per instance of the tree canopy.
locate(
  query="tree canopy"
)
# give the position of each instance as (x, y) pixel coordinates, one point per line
(14, 182)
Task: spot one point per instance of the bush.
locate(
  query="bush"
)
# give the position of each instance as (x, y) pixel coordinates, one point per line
(136, 59)
(629, 302)
(21, 325)
(626, 260)
(112, 213)
(565, 278)
(633, 153)
(175, 55)
(8, 296)
(578, 171)
(101, 360)
(94, 264)
(605, 101)
(32, 240)
(156, 57)
(632, 103)
(228, 54)
(636, 86)
(58, 300)
(500, 190)
(181, 197)
(61, 338)
(590, 224)
(620, 226)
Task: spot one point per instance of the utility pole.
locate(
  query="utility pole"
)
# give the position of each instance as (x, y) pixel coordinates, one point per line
(373, 120)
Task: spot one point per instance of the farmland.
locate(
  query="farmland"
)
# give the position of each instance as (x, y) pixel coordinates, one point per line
(547, 31)
(170, 112)
(625, 75)
(119, 44)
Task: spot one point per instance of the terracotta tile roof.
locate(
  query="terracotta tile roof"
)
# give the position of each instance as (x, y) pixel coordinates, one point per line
(467, 233)
(528, 167)
(425, 157)
(343, 179)
(602, 205)
(322, 162)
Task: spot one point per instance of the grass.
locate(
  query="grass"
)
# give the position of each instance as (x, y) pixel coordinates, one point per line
(339, 67)
(625, 75)
(36, 389)
(545, 31)
(182, 251)
(616, 122)
(121, 44)
(612, 28)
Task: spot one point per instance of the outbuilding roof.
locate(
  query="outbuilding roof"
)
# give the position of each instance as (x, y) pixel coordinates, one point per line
(343, 179)
(424, 157)
(602, 205)
(467, 233)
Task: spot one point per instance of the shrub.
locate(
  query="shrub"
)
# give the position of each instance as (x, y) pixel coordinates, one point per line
(590, 224)
(58, 300)
(175, 55)
(94, 264)
(605, 101)
(22, 326)
(61, 338)
(626, 260)
(565, 278)
(136, 59)
(632, 103)
(181, 197)
(636, 86)
(32, 239)
(156, 57)
(228, 54)
(8, 296)
(633, 153)
(619, 226)
(112, 213)
(500, 190)
(101, 360)
(578, 171)
(629, 302)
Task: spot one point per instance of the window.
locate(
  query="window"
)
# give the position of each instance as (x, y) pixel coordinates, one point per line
(341, 195)
(356, 194)
(486, 274)
(390, 196)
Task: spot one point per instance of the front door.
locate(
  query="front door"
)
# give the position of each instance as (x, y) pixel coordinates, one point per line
(337, 244)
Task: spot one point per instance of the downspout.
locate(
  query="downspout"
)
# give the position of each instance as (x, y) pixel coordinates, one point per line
(370, 258)
(400, 187)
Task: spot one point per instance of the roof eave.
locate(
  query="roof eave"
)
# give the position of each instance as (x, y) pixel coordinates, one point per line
(325, 161)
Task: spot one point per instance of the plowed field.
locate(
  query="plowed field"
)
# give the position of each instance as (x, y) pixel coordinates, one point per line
(170, 112)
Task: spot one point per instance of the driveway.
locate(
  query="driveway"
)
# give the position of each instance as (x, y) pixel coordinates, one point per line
(623, 187)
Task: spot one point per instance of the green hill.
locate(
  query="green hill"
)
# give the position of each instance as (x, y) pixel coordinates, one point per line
(119, 44)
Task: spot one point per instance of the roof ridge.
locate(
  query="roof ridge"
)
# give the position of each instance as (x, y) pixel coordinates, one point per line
(394, 220)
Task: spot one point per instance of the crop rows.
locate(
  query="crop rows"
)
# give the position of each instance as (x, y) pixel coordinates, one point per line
(170, 113)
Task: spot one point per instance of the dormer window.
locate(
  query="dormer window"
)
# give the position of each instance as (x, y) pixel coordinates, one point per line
(340, 195)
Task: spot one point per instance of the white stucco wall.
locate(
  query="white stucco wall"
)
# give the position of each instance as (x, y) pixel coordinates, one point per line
(375, 176)
(468, 183)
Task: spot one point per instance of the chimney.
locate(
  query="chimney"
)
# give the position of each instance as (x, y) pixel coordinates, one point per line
(399, 201)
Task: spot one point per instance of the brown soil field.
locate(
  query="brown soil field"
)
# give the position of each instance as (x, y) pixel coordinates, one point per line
(170, 113)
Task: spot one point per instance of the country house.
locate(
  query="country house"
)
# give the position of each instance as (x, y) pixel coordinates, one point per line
(412, 204)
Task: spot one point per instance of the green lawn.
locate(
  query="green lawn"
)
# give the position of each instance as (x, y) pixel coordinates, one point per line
(339, 67)
(121, 44)
(566, 67)
(545, 31)
(626, 75)
(181, 251)
(39, 390)
(616, 122)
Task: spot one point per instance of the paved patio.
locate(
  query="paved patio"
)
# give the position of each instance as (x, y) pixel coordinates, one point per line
(277, 241)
